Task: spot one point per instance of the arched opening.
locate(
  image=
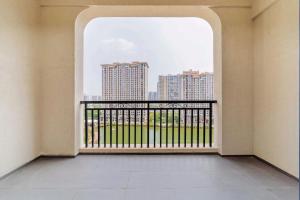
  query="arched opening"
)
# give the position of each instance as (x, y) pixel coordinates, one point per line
(169, 46)
(91, 14)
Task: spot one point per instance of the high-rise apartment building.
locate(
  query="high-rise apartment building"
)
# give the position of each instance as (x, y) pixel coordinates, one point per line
(174, 87)
(197, 86)
(170, 87)
(206, 86)
(190, 85)
(125, 81)
(162, 86)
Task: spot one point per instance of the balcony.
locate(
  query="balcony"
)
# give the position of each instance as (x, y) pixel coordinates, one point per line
(244, 145)
(134, 127)
(148, 126)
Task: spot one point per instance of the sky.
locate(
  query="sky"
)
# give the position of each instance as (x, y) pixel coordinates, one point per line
(169, 45)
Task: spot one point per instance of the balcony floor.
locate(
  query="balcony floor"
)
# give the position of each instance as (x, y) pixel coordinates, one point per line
(153, 177)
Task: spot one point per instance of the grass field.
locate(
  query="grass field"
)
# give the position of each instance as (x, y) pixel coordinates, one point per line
(138, 136)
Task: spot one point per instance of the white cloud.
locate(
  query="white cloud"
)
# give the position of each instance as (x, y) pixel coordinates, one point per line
(169, 45)
(119, 43)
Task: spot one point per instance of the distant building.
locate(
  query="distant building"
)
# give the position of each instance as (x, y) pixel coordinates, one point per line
(162, 86)
(174, 87)
(190, 85)
(197, 86)
(152, 96)
(125, 81)
(92, 98)
(207, 86)
(169, 87)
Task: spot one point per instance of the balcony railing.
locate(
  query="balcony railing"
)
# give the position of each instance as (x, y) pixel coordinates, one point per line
(148, 124)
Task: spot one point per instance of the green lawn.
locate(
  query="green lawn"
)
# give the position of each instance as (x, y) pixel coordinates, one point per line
(137, 136)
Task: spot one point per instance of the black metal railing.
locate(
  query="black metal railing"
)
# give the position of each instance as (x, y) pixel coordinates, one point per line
(148, 124)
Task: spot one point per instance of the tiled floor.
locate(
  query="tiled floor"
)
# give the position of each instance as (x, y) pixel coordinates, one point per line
(153, 177)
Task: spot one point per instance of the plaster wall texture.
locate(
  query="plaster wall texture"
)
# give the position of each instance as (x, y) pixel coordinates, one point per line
(276, 85)
(19, 84)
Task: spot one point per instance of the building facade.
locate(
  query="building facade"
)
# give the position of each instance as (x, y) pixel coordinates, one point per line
(174, 87)
(125, 81)
(197, 86)
(152, 96)
(169, 87)
(206, 84)
(162, 93)
(190, 85)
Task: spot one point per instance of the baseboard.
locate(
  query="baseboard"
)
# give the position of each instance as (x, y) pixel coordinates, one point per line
(235, 155)
(21, 166)
(275, 167)
(264, 161)
(58, 156)
(148, 153)
(36, 158)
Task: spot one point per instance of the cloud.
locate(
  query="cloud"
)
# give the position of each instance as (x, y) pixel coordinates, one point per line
(119, 44)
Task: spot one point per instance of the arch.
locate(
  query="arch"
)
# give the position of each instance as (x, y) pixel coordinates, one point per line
(147, 11)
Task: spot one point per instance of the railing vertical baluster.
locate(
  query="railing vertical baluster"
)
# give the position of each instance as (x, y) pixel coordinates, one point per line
(123, 129)
(129, 127)
(134, 128)
(103, 119)
(154, 131)
(160, 127)
(93, 128)
(185, 111)
(110, 127)
(198, 122)
(148, 124)
(142, 128)
(98, 128)
(86, 124)
(104, 128)
(204, 126)
(117, 128)
(210, 124)
(179, 117)
(192, 128)
(167, 119)
(173, 120)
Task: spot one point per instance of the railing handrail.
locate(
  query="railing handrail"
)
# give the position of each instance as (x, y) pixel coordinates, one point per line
(145, 101)
(183, 120)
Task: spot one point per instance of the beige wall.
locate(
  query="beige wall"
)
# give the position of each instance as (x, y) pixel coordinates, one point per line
(19, 84)
(276, 91)
(213, 3)
(57, 79)
(259, 6)
(237, 79)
